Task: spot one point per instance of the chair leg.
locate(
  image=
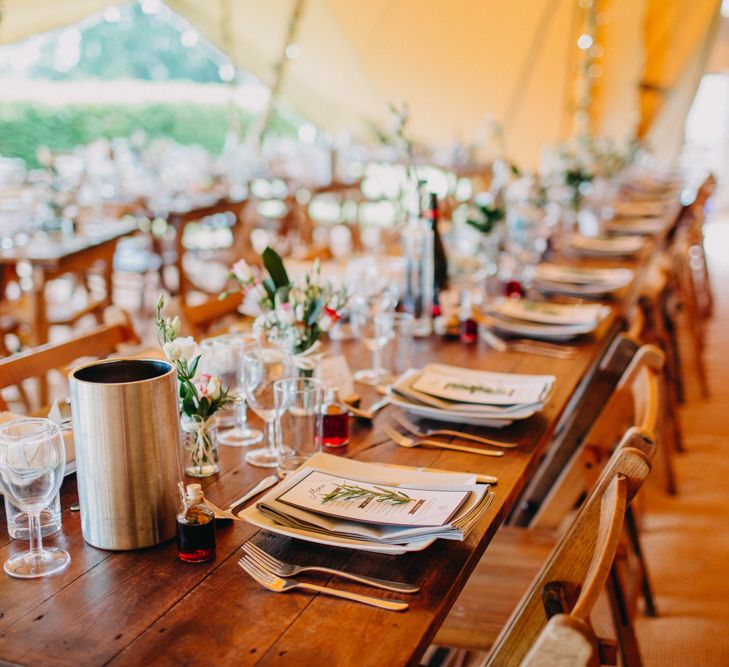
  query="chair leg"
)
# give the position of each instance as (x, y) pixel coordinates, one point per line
(627, 642)
(645, 582)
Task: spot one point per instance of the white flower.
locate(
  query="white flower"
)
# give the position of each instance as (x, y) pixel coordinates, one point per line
(172, 351)
(299, 312)
(326, 322)
(175, 326)
(242, 271)
(285, 314)
(214, 388)
(187, 347)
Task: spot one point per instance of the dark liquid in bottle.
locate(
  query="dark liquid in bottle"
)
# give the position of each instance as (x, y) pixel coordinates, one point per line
(195, 537)
(469, 331)
(335, 427)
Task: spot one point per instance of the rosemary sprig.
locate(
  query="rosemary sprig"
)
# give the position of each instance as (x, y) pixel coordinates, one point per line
(473, 388)
(351, 492)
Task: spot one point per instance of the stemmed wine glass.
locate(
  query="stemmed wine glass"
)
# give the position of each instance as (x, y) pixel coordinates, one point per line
(373, 333)
(226, 353)
(261, 369)
(32, 461)
(526, 238)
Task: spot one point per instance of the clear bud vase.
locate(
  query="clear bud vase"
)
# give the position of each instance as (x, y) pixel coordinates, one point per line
(417, 247)
(200, 445)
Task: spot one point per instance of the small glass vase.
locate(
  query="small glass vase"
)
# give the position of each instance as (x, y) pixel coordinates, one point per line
(200, 446)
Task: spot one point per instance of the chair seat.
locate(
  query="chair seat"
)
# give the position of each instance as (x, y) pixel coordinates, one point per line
(501, 578)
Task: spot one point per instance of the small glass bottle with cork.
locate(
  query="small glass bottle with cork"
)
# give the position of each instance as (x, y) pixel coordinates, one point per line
(195, 526)
(335, 421)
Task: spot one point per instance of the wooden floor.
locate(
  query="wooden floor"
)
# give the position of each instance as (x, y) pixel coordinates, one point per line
(686, 537)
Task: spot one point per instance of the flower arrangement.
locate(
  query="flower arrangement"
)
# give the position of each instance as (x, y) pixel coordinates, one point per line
(577, 164)
(200, 397)
(291, 313)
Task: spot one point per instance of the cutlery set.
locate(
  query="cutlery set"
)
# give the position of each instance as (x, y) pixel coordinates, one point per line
(256, 563)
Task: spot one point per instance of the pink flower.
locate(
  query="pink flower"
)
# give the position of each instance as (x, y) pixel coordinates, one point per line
(202, 385)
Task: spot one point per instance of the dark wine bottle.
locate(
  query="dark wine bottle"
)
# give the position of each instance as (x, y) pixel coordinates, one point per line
(440, 261)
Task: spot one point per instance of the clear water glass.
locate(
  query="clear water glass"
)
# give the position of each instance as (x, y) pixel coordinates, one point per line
(32, 462)
(261, 369)
(299, 409)
(397, 331)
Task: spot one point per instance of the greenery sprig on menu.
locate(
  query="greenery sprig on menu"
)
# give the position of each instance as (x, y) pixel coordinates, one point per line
(473, 388)
(352, 492)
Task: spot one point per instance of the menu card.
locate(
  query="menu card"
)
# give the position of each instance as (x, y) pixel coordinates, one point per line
(357, 500)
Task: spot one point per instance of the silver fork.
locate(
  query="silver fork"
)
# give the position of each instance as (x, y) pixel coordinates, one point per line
(419, 433)
(528, 346)
(285, 570)
(404, 441)
(278, 585)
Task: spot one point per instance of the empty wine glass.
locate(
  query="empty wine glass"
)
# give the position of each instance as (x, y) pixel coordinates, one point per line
(32, 461)
(261, 369)
(232, 349)
(373, 334)
(526, 237)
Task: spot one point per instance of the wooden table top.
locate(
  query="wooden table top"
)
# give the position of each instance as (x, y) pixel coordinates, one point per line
(51, 251)
(139, 607)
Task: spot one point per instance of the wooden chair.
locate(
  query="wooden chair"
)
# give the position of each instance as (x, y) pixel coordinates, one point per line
(580, 416)
(205, 317)
(480, 620)
(568, 639)
(98, 342)
(688, 299)
(578, 475)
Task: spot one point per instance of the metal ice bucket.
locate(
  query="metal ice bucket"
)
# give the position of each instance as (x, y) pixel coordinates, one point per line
(127, 438)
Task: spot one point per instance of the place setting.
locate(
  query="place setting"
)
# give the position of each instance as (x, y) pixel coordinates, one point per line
(545, 320)
(581, 281)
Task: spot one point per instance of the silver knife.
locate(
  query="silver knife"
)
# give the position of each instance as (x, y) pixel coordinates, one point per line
(265, 483)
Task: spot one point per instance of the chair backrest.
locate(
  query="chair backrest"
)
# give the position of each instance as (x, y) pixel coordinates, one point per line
(638, 385)
(202, 318)
(579, 560)
(568, 639)
(98, 342)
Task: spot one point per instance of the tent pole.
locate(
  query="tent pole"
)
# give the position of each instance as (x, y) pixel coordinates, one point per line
(226, 22)
(279, 74)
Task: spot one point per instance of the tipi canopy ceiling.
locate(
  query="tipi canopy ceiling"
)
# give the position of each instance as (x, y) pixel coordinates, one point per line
(455, 63)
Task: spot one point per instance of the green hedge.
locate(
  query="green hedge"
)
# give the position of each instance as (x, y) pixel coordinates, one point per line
(26, 126)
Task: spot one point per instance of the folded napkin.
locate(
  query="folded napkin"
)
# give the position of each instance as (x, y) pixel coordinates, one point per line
(549, 313)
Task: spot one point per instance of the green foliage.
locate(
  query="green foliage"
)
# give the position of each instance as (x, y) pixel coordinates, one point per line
(25, 126)
(489, 215)
(275, 267)
(138, 46)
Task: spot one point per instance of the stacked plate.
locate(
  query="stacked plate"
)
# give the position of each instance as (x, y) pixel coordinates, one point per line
(606, 246)
(465, 396)
(546, 321)
(375, 530)
(579, 281)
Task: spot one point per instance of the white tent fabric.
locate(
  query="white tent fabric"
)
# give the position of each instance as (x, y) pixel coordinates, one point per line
(454, 63)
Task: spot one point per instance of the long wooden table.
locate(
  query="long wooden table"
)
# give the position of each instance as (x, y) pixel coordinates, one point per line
(50, 258)
(147, 607)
